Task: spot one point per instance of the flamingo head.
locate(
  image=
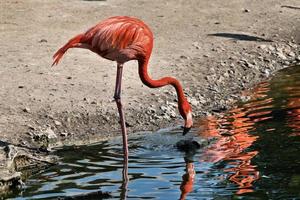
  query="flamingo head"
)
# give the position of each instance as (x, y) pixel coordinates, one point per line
(186, 112)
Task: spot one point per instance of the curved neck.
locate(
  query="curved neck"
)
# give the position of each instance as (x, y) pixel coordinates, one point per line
(146, 79)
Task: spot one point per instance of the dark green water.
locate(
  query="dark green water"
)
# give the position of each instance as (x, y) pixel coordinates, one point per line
(255, 155)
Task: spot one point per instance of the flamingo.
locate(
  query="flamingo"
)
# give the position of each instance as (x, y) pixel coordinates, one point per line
(121, 39)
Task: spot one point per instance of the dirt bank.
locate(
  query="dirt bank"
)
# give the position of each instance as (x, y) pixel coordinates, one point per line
(215, 48)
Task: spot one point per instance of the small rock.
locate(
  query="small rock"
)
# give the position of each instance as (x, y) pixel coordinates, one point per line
(57, 123)
(50, 133)
(220, 108)
(27, 110)
(267, 72)
(152, 110)
(291, 54)
(193, 102)
(49, 116)
(63, 134)
(31, 127)
(281, 55)
(246, 10)
(271, 48)
(21, 86)
(173, 114)
(202, 100)
(128, 125)
(245, 98)
(183, 57)
(262, 46)
(173, 105)
(232, 57)
(196, 44)
(163, 108)
(226, 75)
(43, 40)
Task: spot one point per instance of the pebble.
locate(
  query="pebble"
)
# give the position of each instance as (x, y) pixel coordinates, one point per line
(202, 100)
(291, 54)
(226, 75)
(47, 134)
(271, 48)
(262, 46)
(31, 127)
(50, 133)
(57, 123)
(64, 134)
(43, 40)
(151, 110)
(183, 57)
(281, 55)
(27, 110)
(196, 45)
(245, 98)
(163, 108)
(193, 102)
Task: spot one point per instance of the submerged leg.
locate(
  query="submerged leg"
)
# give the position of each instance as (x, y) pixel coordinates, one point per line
(117, 97)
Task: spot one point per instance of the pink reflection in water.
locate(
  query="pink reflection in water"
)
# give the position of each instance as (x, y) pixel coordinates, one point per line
(233, 138)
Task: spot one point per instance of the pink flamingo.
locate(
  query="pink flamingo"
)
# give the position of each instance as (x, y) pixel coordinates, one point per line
(122, 39)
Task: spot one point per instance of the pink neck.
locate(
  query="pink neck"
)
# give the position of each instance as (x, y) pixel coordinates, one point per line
(143, 72)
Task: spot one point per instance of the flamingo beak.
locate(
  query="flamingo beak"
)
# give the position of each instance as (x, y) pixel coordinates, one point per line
(186, 130)
(188, 124)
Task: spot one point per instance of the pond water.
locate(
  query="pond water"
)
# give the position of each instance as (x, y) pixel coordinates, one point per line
(255, 154)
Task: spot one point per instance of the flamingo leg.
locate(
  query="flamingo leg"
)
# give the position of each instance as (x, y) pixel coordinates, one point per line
(117, 98)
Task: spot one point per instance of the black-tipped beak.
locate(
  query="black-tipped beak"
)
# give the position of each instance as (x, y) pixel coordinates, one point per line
(185, 130)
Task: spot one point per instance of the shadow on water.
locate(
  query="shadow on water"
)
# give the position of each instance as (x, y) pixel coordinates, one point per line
(239, 36)
(254, 154)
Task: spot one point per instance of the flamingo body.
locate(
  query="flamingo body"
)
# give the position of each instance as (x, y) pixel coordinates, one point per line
(118, 39)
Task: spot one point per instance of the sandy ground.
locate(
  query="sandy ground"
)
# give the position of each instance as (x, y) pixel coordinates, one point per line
(215, 48)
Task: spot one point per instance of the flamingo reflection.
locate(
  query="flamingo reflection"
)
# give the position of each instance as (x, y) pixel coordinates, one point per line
(187, 179)
(294, 115)
(234, 139)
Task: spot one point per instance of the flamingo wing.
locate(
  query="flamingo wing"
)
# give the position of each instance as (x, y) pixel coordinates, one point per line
(120, 36)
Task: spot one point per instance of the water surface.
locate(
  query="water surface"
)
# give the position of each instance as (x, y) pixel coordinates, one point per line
(255, 155)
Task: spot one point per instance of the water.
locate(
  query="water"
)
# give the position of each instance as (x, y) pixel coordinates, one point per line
(255, 155)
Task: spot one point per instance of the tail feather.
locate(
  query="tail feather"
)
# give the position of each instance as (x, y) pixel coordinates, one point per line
(72, 43)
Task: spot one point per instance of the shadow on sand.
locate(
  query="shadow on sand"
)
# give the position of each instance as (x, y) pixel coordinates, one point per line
(239, 36)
